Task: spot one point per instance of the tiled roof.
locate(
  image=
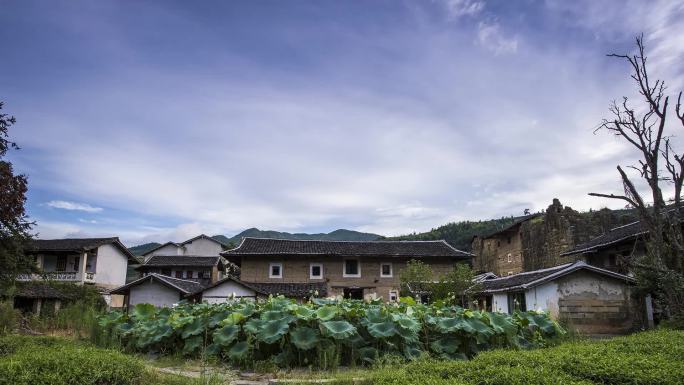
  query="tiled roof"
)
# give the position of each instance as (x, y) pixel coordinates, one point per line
(297, 290)
(185, 242)
(239, 282)
(180, 260)
(615, 235)
(533, 278)
(78, 245)
(263, 246)
(71, 244)
(516, 222)
(183, 285)
(38, 290)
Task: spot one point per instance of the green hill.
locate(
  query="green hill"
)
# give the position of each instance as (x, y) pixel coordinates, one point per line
(337, 235)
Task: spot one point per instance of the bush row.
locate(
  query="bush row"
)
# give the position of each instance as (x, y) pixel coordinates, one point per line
(654, 357)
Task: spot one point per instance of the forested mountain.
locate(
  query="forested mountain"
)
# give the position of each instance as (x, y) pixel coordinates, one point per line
(337, 235)
(460, 234)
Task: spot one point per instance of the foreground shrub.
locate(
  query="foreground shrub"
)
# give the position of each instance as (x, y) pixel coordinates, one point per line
(9, 318)
(324, 333)
(655, 357)
(55, 361)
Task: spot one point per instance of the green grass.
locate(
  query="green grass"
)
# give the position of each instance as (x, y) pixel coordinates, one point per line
(654, 357)
(26, 360)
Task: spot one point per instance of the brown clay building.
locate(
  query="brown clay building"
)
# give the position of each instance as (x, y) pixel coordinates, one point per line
(543, 240)
(359, 270)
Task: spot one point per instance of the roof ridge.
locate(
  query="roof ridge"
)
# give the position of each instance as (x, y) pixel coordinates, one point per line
(557, 267)
(341, 241)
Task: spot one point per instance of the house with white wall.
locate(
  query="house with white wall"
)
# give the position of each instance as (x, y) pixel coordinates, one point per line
(586, 298)
(101, 262)
(201, 245)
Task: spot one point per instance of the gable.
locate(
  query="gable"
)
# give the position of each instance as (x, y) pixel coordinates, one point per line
(202, 246)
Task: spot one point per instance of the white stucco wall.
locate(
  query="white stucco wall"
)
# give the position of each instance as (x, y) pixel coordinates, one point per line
(500, 302)
(543, 297)
(202, 246)
(223, 292)
(111, 266)
(166, 250)
(153, 293)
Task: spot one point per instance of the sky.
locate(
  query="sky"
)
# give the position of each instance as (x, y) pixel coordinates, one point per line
(160, 120)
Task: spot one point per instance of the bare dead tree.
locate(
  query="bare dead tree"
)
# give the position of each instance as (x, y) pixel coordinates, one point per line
(644, 129)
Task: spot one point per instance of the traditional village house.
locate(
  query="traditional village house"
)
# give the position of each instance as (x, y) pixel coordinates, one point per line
(586, 298)
(201, 245)
(615, 250)
(101, 262)
(501, 252)
(357, 270)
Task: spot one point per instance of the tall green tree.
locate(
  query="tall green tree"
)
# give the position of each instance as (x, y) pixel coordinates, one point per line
(15, 226)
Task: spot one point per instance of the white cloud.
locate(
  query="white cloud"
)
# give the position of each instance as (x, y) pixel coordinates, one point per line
(489, 36)
(66, 205)
(460, 8)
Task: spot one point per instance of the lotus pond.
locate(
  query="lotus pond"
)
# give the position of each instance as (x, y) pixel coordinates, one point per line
(323, 333)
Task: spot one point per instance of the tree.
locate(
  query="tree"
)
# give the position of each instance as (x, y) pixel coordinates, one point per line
(14, 224)
(457, 285)
(416, 276)
(644, 128)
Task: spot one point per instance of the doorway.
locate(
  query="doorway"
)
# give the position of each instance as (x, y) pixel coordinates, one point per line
(353, 293)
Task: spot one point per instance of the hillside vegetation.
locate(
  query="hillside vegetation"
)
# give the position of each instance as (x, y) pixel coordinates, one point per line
(337, 235)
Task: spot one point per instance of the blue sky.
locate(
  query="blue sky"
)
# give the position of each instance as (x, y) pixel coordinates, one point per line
(158, 120)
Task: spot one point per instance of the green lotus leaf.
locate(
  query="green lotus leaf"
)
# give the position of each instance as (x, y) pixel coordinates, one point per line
(304, 313)
(368, 354)
(326, 313)
(412, 353)
(254, 325)
(447, 345)
(482, 331)
(143, 311)
(304, 338)
(246, 309)
(192, 329)
(232, 319)
(382, 330)
(239, 350)
(502, 324)
(449, 325)
(272, 331)
(407, 322)
(337, 329)
(407, 335)
(215, 319)
(374, 316)
(226, 335)
(160, 332)
(213, 349)
(192, 344)
(272, 315)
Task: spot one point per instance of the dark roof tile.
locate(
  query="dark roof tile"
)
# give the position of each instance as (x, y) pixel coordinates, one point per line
(263, 246)
(615, 235)
(180, 260)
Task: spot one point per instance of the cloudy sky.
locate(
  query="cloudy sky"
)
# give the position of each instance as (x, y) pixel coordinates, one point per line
(158, 120)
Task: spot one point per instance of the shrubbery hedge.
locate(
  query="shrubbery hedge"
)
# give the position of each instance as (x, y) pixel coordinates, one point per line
(54, 361)
(654, 357)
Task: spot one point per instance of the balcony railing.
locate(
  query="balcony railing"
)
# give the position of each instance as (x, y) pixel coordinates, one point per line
(54, 276)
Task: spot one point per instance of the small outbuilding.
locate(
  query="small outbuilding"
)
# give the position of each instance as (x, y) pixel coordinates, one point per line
(158, 290)
(227, 289)
(586, 298)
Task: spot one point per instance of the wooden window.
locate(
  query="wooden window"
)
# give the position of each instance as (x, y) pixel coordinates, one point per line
(61, 263)
(351, 268)
(510, 273)
(166, 272)
(509, 257)
(393, 296)
(275, 270)
(516, 301)
(200, 274)
(315, 271)
(386, 270)
(77, 259)
(179, 274)
(188, 274)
